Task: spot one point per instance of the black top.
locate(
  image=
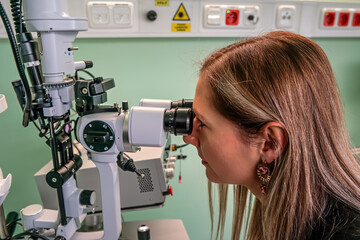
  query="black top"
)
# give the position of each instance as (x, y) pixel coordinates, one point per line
(340, 223)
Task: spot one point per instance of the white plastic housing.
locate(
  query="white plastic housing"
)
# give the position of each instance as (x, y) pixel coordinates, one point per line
(3, 104)
(5, 184)
(146, 126)
(159, 103)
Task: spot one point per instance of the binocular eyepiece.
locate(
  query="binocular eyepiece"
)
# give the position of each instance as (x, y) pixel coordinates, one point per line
(179, 121)
(178, 117)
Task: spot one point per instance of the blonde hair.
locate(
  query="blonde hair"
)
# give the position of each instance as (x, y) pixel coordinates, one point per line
(287, 78)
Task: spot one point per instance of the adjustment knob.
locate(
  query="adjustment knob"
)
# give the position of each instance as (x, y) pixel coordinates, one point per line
(125, 105)
(169, 173)
(88, 64)
(143, 232)
(87, 197)
(98, 136)
(151, 15)
(60, 238)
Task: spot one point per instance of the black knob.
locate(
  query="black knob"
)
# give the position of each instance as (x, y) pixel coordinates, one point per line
(98, 136)
(87, 197)
(98, 80)
(125, 105)
(60, 238)
(143, 232)
(55, 179)
(88, 64)
(151, 15)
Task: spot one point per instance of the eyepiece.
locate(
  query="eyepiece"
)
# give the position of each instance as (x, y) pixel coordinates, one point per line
(179, 121)
(184, 103)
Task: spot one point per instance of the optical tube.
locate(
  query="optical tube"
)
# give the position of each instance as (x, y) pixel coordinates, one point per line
(179, 121)
(184, 103)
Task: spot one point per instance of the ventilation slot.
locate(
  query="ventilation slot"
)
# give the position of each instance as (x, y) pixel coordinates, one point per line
(145, 183)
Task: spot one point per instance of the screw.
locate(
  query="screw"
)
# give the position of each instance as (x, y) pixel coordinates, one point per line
(84, 91)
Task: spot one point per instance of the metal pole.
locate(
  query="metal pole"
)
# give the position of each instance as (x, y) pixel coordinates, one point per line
(54, 152)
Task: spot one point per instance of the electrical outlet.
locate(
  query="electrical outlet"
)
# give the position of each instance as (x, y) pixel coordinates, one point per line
(251, 16)
(329, 17)
(356, 19)
(232, 16)
(123, 14)
(98, 14)
(344, 18)
(285, 16)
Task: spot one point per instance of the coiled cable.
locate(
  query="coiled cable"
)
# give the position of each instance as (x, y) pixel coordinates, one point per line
(17, 16)
(17, 59)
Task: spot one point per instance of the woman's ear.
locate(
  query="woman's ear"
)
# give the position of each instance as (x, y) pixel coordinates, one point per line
(275, 140)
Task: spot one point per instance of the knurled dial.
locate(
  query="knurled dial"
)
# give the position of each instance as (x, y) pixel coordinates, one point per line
(98, 136)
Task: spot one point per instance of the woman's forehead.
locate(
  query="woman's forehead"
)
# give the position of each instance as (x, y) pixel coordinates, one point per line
(203, 104)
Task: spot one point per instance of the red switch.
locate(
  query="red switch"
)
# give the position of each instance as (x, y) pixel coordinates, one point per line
(344, 18)
(329, 18)
(232, 17)
(170, 191)
(356, 20)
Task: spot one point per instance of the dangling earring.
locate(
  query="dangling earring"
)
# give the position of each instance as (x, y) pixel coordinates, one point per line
(264, 173)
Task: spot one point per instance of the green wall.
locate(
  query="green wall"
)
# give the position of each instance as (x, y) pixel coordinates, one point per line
(149, 68)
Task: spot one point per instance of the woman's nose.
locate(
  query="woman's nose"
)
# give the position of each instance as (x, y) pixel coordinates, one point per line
(191, 140)
(187, 139)
(193, 137)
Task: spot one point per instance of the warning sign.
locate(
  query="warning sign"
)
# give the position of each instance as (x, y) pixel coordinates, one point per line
(181, 14)
(181, 27)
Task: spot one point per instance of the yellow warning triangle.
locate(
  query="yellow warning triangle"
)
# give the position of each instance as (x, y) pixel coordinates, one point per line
(181, 14)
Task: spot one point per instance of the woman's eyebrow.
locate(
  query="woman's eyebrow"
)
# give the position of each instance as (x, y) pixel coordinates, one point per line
(199, 115)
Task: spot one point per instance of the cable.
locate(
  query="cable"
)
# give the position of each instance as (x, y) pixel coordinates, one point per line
(13, 222)
(79, 152)
(175, 147)
(41, 133)
(18, 62)
(21, 21)
(28, 233)
(75, 113)
(16, 9)
(12, 219)
(17, 16)
(85, 71)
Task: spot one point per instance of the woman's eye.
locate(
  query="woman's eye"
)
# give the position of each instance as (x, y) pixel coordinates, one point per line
(201, 123)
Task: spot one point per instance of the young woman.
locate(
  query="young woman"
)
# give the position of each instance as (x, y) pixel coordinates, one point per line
(269, 120)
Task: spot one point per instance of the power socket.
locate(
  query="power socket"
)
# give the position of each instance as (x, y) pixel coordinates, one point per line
(285, 16)
(251, 16)
(110, 14)
(98, 14)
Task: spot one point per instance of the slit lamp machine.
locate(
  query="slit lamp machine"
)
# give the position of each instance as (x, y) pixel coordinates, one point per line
(108, 135)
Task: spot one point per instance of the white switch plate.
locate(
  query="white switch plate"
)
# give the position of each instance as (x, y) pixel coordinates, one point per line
(214, 16)
(110, 14)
